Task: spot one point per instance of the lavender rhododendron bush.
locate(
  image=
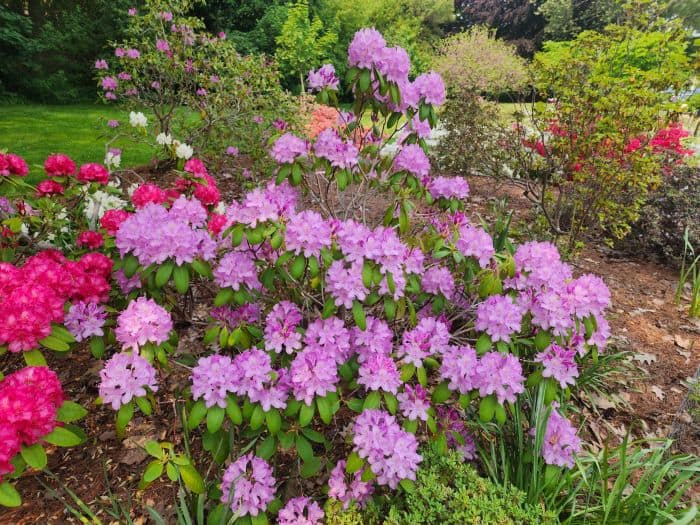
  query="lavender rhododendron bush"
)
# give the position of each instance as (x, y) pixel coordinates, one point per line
(338, 342)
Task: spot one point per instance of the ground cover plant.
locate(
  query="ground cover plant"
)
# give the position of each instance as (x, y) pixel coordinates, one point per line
(332, 343)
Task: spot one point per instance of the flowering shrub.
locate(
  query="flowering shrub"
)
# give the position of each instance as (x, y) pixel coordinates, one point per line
(337, 343)
(201, 92)
(603, 140)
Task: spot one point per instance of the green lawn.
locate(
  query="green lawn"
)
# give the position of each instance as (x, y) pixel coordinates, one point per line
(34, 131)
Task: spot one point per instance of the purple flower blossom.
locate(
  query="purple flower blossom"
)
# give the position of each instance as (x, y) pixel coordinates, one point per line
(338, 152)
(422, 129)
(449, 187)
(329, 336)
(458, 437)
(162, 45)
(280, 328)
(429, 337)
(124, 377)
(260, 205)
(300, 511)
(600, 337)
(499, 317)
(500, 374)
(131, 11)
(394, 64)
(133, 53)
(356, 490)
(101, 64)
(345, 283)
(430, 88)
(365, 48)
(475, 242)
(459, 367)
(540, 265)
(559, 363)
(313, 372)
(551, 310)
(113, 123)
(232, 151)
(109, 83)
(438, 279)
(413, 159)
(414, 403)
(288, 147)
(119, 52)
(154, 234)
(253, 369)
(376, 338)
(127, 284)
(166, 16)
(324, 78)
(561, 443)
(379, 372)
(212, 380)
(143, 321)
(390, 451)
(248, 485)
(124, 76)
(588, 294)
(235, 317)
(237, 269)
(85, 319)
(307, 232)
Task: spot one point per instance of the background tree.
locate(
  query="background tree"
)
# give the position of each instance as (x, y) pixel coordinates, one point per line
(303, 42)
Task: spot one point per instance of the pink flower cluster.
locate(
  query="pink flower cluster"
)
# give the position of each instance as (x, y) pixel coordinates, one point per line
(356, 490)
(300, 511)
(561, 444)
(32, 296)
(248, 485)
(29, 401)
(143, 321)
(324, 78)
(11, 164)
(390, 451)
(124, 377)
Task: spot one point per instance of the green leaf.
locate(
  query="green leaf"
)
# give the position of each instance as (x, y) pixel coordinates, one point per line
(487, 408)
(313, 435)
(297, 268)
(215, 417)
(97, 347)
(202, 268)
(35, 456)
(367, 274)
(153, 471)
(196, 415)
(61, 333)
(306, 414)
(310, 467)
(34, 358)
(234, 411)
(131, 265)
(192, 479)
(144, 405)
(260, 519)
(364, 80)
(9, 497)
(70, 411)
(54, 343)
(483, 344)
(392, 404)
(358, 314)
(500, 414)
(163, 274)
(407, 372)
(355, 404)
(328, 308)
(171, 471)
(389, 308)
(542, 340)
(354, 463)
(274, 421)
(257, 418)
(267, 448)
(154, 449)
(304, 448)
(286, 439)
(62, 437)
(372, 400)
(181, 277)
(324, 409)
(422, 376)
(124, 415)
(441, 393)
(408, 485)
(368, 475)
(224, 296)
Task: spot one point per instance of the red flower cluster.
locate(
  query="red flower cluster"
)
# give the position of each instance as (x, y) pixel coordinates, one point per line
(11, 164)
(205, 192)
(90, 239)
(147, 193)
(112, 219)
(59, 165)
(93, 172)
(49, 187)
(29, 401)
(668, 140)
(32, 296)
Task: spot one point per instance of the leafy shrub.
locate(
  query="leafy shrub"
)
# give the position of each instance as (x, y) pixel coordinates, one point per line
(448, 491)
(196, 86)
(476, 66)
(667, 213)
(337, 340)
(611, 94)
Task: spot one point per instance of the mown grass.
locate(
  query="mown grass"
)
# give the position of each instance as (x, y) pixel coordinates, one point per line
(34, 131)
